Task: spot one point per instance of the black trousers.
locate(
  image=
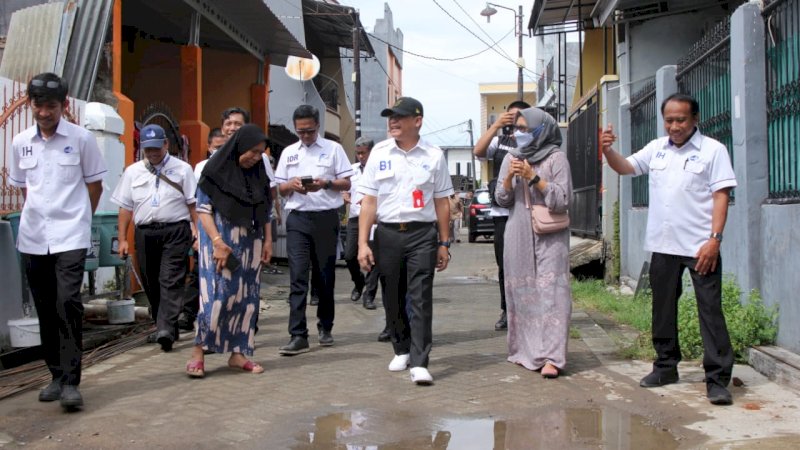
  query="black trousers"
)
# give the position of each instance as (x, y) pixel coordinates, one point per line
(161, 251)
(55, 281)
(311, 234)
(367, 284)
(406, 263)
(191, 295)
(499, 242)
(666, 273)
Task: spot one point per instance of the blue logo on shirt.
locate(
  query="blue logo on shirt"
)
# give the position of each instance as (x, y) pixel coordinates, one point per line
(426, 167)
(68, 149)
(694, 158)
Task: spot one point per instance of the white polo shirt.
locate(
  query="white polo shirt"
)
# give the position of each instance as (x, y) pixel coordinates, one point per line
(57, 215)
(355, 196)
(153, 200)
(198, 168)
(392, 175)
(324, 159)
(270, 172)
(494, 147)
(682, 181)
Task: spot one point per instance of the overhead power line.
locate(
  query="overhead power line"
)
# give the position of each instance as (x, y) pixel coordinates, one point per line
(438, 58)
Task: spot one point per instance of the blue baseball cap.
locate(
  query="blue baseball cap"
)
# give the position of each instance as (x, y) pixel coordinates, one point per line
(152, 136)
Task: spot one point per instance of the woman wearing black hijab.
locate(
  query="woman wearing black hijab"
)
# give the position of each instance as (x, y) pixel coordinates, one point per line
(536, 264)
(234, 207)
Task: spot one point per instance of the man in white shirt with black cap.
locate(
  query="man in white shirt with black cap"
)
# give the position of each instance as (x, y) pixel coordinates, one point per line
(60, 170)
(158, 193)
(406, 186)
(312, 173)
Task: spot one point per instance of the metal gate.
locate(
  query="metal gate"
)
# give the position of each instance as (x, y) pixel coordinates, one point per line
(586, 164)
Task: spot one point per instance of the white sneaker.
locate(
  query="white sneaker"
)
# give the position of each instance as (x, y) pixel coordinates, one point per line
(399, 363)
(420, 375)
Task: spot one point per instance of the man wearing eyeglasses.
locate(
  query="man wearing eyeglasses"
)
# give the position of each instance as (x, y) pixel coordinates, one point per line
(406, 186)
(312, 174)
(493, 147)
(60, 170)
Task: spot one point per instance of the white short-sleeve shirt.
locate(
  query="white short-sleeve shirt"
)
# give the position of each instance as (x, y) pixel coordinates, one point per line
(153, 200)
(323, 159)
(57, 214)
(392, 175)
(682, 181)
(494, 147)
(355, 196)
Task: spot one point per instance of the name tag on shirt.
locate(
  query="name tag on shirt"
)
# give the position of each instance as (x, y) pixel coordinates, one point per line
(293, 159)
(154, 202)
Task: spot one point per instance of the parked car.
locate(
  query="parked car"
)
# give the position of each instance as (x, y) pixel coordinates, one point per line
(480, 219)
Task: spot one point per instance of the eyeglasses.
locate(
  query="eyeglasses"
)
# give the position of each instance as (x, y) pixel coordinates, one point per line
(304, 132)
(50, 84)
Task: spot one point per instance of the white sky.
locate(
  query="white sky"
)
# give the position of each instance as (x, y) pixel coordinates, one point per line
(449, 90)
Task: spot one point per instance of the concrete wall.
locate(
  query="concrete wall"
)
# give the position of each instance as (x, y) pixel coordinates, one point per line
(761, 248)
(227, 77)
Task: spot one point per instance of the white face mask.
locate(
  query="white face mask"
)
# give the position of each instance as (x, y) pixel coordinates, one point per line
(523, 139)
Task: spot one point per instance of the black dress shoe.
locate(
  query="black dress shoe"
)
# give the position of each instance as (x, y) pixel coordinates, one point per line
(325, 338)
(165, 340)
(314, 300)
(369, 302)
(659, 378)
(501, 324)
(70, 396)
(297, 345)
(718, 395)
(356, 294)
(384, 336)
(51, 393)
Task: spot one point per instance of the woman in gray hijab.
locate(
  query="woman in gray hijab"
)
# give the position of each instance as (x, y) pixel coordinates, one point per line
(536, 265)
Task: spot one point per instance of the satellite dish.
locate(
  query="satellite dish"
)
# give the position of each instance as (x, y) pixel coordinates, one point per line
(302, 69)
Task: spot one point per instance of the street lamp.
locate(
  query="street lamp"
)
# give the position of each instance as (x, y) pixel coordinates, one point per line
(488, 12)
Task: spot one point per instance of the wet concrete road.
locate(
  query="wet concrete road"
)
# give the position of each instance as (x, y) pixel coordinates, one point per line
(343, 397)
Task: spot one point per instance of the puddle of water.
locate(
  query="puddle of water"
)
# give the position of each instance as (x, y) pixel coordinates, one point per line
(572, 428)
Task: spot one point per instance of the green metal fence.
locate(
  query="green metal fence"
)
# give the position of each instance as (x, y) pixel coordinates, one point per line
(705, 74)
(782, 26)
(644, 128)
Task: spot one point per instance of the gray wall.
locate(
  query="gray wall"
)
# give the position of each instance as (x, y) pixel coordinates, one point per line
(287, 94)
(374, 82)
(779, 262)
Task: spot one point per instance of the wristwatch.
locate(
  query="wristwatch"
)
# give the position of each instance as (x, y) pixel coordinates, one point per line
(444, 244)
(534, 181)
(328, 184)
(717, 236)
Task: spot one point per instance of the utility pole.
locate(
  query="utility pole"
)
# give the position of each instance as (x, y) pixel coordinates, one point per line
(472, 153)
(520, 61)
(357, 72)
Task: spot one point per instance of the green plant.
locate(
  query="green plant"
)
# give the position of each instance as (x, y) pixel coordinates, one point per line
(750, 323)
(615, 250)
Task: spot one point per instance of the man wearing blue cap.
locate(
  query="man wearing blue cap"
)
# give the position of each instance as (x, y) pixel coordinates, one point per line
(158, 194)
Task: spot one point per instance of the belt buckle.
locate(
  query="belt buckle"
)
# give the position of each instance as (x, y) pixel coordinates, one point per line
(403, 226)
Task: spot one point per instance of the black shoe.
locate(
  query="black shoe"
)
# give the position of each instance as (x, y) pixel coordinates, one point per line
(718, 395)
(314, 300)
(297, 345)
(51, 393)
(185, 322)
(165, 340)
(384, 336)
(501, 324)
(369, 302)
(659, 378)
(356, 294)
(71, 397)
(325, 338)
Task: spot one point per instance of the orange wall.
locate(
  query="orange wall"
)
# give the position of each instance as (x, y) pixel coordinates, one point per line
(152, 74)
(227, 77)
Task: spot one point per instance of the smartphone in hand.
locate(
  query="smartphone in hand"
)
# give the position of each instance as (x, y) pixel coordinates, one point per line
(306, 180)
(233, 263)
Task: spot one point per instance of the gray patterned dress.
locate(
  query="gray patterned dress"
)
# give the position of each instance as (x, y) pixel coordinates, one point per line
(537, 269)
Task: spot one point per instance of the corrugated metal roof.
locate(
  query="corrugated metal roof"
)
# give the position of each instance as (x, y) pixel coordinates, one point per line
(33, 38)
(85, 48)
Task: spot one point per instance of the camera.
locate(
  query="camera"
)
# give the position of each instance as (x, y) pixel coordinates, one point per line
(508, 130)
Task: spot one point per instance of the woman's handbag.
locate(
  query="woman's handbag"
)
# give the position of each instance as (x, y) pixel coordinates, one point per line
(543, 220)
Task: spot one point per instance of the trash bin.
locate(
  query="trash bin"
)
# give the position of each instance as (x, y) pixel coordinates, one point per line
(92, 260)
(106, 221)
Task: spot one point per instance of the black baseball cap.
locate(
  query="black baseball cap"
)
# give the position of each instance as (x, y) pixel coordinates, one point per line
(404, 106)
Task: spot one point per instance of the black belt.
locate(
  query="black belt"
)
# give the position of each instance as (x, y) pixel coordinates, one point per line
(353, 219)
(311, 213)
(406, 226)
(160, 225)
